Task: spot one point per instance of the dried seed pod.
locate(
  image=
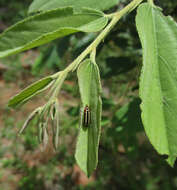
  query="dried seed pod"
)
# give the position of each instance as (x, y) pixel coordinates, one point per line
(40, 132)
(55, 123)
(45, 137)
(34, 114)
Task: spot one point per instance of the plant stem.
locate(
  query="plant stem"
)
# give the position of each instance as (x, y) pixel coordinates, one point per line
(58, 83)
(115, 17)
(151, 2)
(93, 55)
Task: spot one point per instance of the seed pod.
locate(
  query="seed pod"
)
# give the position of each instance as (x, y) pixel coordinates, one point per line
(45, 137)
(40, 132)
(55, 124)
(34, 114)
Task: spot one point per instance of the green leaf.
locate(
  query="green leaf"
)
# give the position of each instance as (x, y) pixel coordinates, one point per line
(158, 82)
(43, 5)
(47, 26)
(30, 91)
(171, 160)
(88, 140)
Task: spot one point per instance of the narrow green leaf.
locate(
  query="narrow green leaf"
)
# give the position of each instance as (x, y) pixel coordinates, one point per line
(47, 26)
(158, 82)
(88, 140)
(43, 5)
(30, 91)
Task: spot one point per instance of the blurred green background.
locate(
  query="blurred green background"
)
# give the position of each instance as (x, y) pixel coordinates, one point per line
(127, 160)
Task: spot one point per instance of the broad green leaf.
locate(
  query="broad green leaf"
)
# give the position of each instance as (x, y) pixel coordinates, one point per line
(88, 140)
(43, 5)
(30, 91)
(158, 81)
(47, 26)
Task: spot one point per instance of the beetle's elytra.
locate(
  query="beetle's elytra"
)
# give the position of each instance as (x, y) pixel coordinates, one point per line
(87, 116)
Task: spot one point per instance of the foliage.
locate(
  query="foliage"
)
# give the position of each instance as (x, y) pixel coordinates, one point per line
(158, 79)
(120, 54)
(40, 5)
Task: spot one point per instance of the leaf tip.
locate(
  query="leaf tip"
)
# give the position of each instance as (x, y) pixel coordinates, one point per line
(171, 160)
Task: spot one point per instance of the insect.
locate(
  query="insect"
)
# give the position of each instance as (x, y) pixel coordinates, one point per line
(87, 116)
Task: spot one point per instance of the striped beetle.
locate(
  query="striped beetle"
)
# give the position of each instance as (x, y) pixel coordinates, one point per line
(87, 116)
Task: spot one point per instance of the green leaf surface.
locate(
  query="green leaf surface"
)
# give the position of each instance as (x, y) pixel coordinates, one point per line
(43, 5)
(29, 92)
(88, 140)
(47, 26)
(158, 82)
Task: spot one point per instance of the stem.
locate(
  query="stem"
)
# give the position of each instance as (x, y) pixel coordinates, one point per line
(54, 91)
(93, 55)
(115, 17)
(58, 84)
(151, 2)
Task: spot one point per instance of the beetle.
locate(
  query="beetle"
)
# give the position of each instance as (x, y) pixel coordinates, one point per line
(87, 116)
